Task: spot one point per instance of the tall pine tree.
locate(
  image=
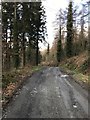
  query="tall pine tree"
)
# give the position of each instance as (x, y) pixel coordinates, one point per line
(69, 43)
(16, 57)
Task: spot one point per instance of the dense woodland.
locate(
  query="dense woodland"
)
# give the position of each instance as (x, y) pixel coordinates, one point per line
(23, 27)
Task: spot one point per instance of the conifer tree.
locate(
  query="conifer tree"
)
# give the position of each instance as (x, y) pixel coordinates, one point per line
(59, 47)
(16, 57)
(69, 43)
(26, 23)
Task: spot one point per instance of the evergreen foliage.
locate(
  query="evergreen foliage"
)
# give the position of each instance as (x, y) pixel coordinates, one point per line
(23, 28)
(69, 44)
(59, 47)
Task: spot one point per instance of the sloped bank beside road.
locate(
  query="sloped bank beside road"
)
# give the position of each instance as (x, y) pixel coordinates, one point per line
(78, 68)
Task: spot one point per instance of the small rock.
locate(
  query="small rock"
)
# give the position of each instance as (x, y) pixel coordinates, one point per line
(75, 106)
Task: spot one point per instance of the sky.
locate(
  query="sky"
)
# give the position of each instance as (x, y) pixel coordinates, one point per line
(52, 7)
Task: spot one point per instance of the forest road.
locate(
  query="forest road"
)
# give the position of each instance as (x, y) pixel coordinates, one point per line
(49, 93)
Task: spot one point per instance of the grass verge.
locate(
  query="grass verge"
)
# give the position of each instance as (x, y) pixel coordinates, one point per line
(76, 74)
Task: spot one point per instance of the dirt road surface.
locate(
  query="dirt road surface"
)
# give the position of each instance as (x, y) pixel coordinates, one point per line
(49, 93)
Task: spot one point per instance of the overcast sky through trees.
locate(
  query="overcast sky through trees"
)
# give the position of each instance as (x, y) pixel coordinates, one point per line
(52, 8)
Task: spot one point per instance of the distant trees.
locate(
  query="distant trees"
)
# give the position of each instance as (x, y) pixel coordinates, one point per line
(23, 28)
(61, 20)
(72, 36)
(48, 49)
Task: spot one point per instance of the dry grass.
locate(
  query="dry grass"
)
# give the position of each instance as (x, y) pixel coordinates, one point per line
(79, 60)
(75, 67)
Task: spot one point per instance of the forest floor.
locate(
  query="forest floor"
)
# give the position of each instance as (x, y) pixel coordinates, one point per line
(13, 80)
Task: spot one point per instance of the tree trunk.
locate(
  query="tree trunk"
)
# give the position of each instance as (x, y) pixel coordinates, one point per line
(37, 52)
(23, 50)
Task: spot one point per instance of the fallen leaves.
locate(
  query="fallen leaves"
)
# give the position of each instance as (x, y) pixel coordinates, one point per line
(8, 91)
